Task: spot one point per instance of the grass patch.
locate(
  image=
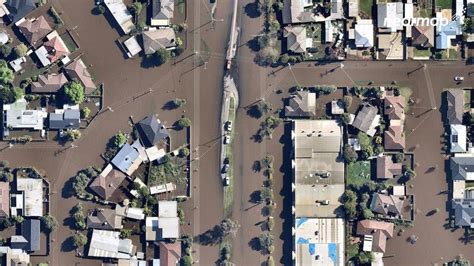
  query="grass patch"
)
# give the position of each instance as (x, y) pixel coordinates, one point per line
(56, 17)
(467, 100)
(426, 12)
(422, 52)
(228, 150)
(453, 54)
(314, 31)
(181, 6)
(444, 4)
(365, 6)
(406, 92)
(69, 42)
(358, 173)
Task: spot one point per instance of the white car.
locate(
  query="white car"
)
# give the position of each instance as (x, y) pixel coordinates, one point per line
(226, 139)
(226, 181)
(229, 125)
(458, 78)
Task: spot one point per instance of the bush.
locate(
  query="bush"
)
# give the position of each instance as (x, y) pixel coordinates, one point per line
(72, 134)
(364, 139)
(270, 261)
(20, 50)
(398, 158)
(259, 109)
(9, 94)
(74, 92)
(324, 89)
(178, 102)
(85, 112)
(266, 242)
(5, 50)
(137, 8)
(100, 9)
(184, 152)
(345, 118)
(284, 58)
(347, 101)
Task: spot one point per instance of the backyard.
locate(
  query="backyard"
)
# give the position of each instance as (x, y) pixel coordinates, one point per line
(365, 8)
(444, 4)
(358, 173)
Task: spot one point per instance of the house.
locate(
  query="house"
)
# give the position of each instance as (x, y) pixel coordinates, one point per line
(129, 158)
(130, 212)
(67, 118)
(31, 199)
(14, 257)
(462, 168)
(29, 240)
(367, 119)
(390, 16)
(458, 138)
(17, 116)
(52, 50)
(105, 219)
(77, 70)
(302, 104)
(386, 168)
(446, 33)
(107, 182)
(375, 234)
(50, 83)
(121, 15)
(296, 39)
(166, 225)
(108, 244)
(394, 110)
(363, 34)
(318, 172)
(170, 253)
(20, 8)
(4, 199)
(299, 11)
(423, 36)
(163, 38)
(386, 205)
(158, 189)
(162, 12)
(463, 212)
(318, 241)
(455, 106)
(34, 29)
(152, 131)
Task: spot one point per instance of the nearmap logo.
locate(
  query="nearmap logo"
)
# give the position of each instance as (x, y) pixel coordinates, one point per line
(394, 22)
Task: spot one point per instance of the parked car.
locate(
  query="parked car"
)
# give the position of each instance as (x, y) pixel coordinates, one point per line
(225, 169)
(226, 160)
(323, 202)
(226, 139)
(226, 181)
(229, 126)
(458, 78)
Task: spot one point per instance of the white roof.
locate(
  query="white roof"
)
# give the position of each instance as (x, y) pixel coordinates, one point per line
(161, 228)
(132, 46)
(19, 117)
(162, 188)
(364, 33)
(390, 16)
(167, 209)
(33, 195)
(42, 55)
(135, 213)
(107, 244)
(458, 138)
(121, 14)
(153, 153)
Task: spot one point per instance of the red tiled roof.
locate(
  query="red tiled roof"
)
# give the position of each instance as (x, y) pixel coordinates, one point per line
(56, 49)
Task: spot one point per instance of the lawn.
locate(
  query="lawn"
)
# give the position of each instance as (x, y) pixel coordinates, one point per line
(444, 4)
(467, 100)
(406, 92)
(358, 173)
(365, 6)
(229, 190)
(426, 12)
(422, 52)
(453, 54)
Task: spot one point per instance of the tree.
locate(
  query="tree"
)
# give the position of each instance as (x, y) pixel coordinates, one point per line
(74, 92)
(178, 102)
(162, 56)
(266, 242)
(324, 89)
(119, 139)
(184, 152)
(284, 58)
(73, 134)
(349, 199)
(5, 50)
(10, 94)
(20, 50)
(6, 74)
(184, 123)
(350, 155)
(398, 158)
(365, 257)
(367, 152)
(125, 233)
(49, 222)
(267, 161)
(260, 109)
(137, 8)
(266, 195)
(227, 227)
(85, 112)
(364, 139)
(79, 240)
(347, 101)
(345, 118)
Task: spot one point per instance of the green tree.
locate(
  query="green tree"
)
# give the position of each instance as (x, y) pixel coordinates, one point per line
(10, 94)
(20, 50)
(162, 56)
(6, 74)
(266, 242)
(184, 123)
(5, 50)
(364, 139)
(345, 118)
(119, 139)
(125, 233)
(284, 58)
(184, 152)
(73, 134)
(79, 240)
(49, 222)
(365, 257)
(137, 8)
(178, 102)
(398, 158)
(347, 101)
(350, 155)
(74, 92)
(85, 112)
